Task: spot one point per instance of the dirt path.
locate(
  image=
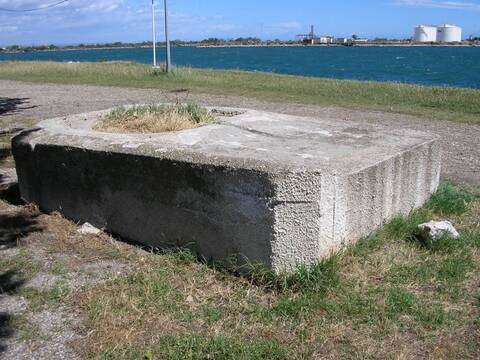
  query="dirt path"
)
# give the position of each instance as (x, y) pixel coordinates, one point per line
(25, 103)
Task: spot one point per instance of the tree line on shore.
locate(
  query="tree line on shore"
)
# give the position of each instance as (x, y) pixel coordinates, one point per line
(205, 42)
(213, 41)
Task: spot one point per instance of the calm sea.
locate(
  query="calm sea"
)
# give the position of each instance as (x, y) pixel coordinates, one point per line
(443, 66)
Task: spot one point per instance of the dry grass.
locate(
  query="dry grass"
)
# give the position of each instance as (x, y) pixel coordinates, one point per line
(382, 308)
(86, 247)
(394, 298)
(154, 119)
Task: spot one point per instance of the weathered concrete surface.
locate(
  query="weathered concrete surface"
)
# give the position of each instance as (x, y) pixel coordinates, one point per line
(278, 189)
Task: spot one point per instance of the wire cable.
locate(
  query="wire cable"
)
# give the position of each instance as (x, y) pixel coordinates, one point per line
(35, 9)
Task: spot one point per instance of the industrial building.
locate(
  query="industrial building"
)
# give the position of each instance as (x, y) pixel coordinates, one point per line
(438, 34)
(449, 33)
(312, 39)
(425, 34)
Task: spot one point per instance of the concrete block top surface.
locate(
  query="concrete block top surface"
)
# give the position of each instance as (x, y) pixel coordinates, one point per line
(277, 189)
(251, 139)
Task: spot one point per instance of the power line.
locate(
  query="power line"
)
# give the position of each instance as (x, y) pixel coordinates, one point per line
(35, 9)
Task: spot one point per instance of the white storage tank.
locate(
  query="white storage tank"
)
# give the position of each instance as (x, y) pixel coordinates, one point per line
(449, 33)
(425, 34)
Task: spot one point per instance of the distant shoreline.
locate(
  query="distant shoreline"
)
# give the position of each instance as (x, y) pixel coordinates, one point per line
(241, 46)
(338, 45)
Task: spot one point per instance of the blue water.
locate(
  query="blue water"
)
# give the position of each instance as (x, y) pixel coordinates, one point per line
(439, 66)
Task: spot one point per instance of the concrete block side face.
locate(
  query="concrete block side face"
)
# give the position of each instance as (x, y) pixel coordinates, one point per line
(333, 215)
(156, 202)
(395, 187)
(26, 171)
(297, 209)
(434, 170)
(283, 193)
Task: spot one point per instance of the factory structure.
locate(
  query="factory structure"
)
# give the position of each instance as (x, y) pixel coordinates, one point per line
(426, 34)
(437, 34)
(312, 39)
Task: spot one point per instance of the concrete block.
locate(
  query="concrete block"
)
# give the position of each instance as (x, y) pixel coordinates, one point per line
(277, 189)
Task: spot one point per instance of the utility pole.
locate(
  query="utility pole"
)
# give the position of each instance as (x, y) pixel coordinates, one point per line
(154, 35)
(167, 41)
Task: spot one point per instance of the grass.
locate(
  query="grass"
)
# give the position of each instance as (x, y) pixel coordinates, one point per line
(29, 331)
(154, 118)
(388, 296)
(199, 348)
(455, 104)
(450, 200)
(39, 299)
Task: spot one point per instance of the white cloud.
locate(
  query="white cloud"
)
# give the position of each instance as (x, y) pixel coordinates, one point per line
(438, 4)
(101, 6)
(91, 21)
(8, 28)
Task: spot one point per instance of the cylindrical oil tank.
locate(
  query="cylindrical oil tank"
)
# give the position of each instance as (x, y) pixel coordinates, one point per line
(449, 33)
(425, 34)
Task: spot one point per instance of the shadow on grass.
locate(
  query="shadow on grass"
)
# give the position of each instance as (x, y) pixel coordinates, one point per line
(13, 105)
(14, 226)
(5, 152)
(6, 329)
(10, 282)
(9, 191)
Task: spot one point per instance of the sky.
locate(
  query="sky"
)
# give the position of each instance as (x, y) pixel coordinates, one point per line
(100, 21)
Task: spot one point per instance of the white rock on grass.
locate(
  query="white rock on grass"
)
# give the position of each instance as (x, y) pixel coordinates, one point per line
(89, 229)
(436, 229)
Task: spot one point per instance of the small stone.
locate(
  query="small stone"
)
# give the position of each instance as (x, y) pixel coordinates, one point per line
(436, 229)
(89, 229)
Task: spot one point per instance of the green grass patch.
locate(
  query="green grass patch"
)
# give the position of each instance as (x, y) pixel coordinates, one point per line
(39, 299)
(442, 271)
(143, 291)
(197, 347)
(317, 278)
(400, 302)
(451, 200)
(292, 307)
(20, 263)
(455, 104)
